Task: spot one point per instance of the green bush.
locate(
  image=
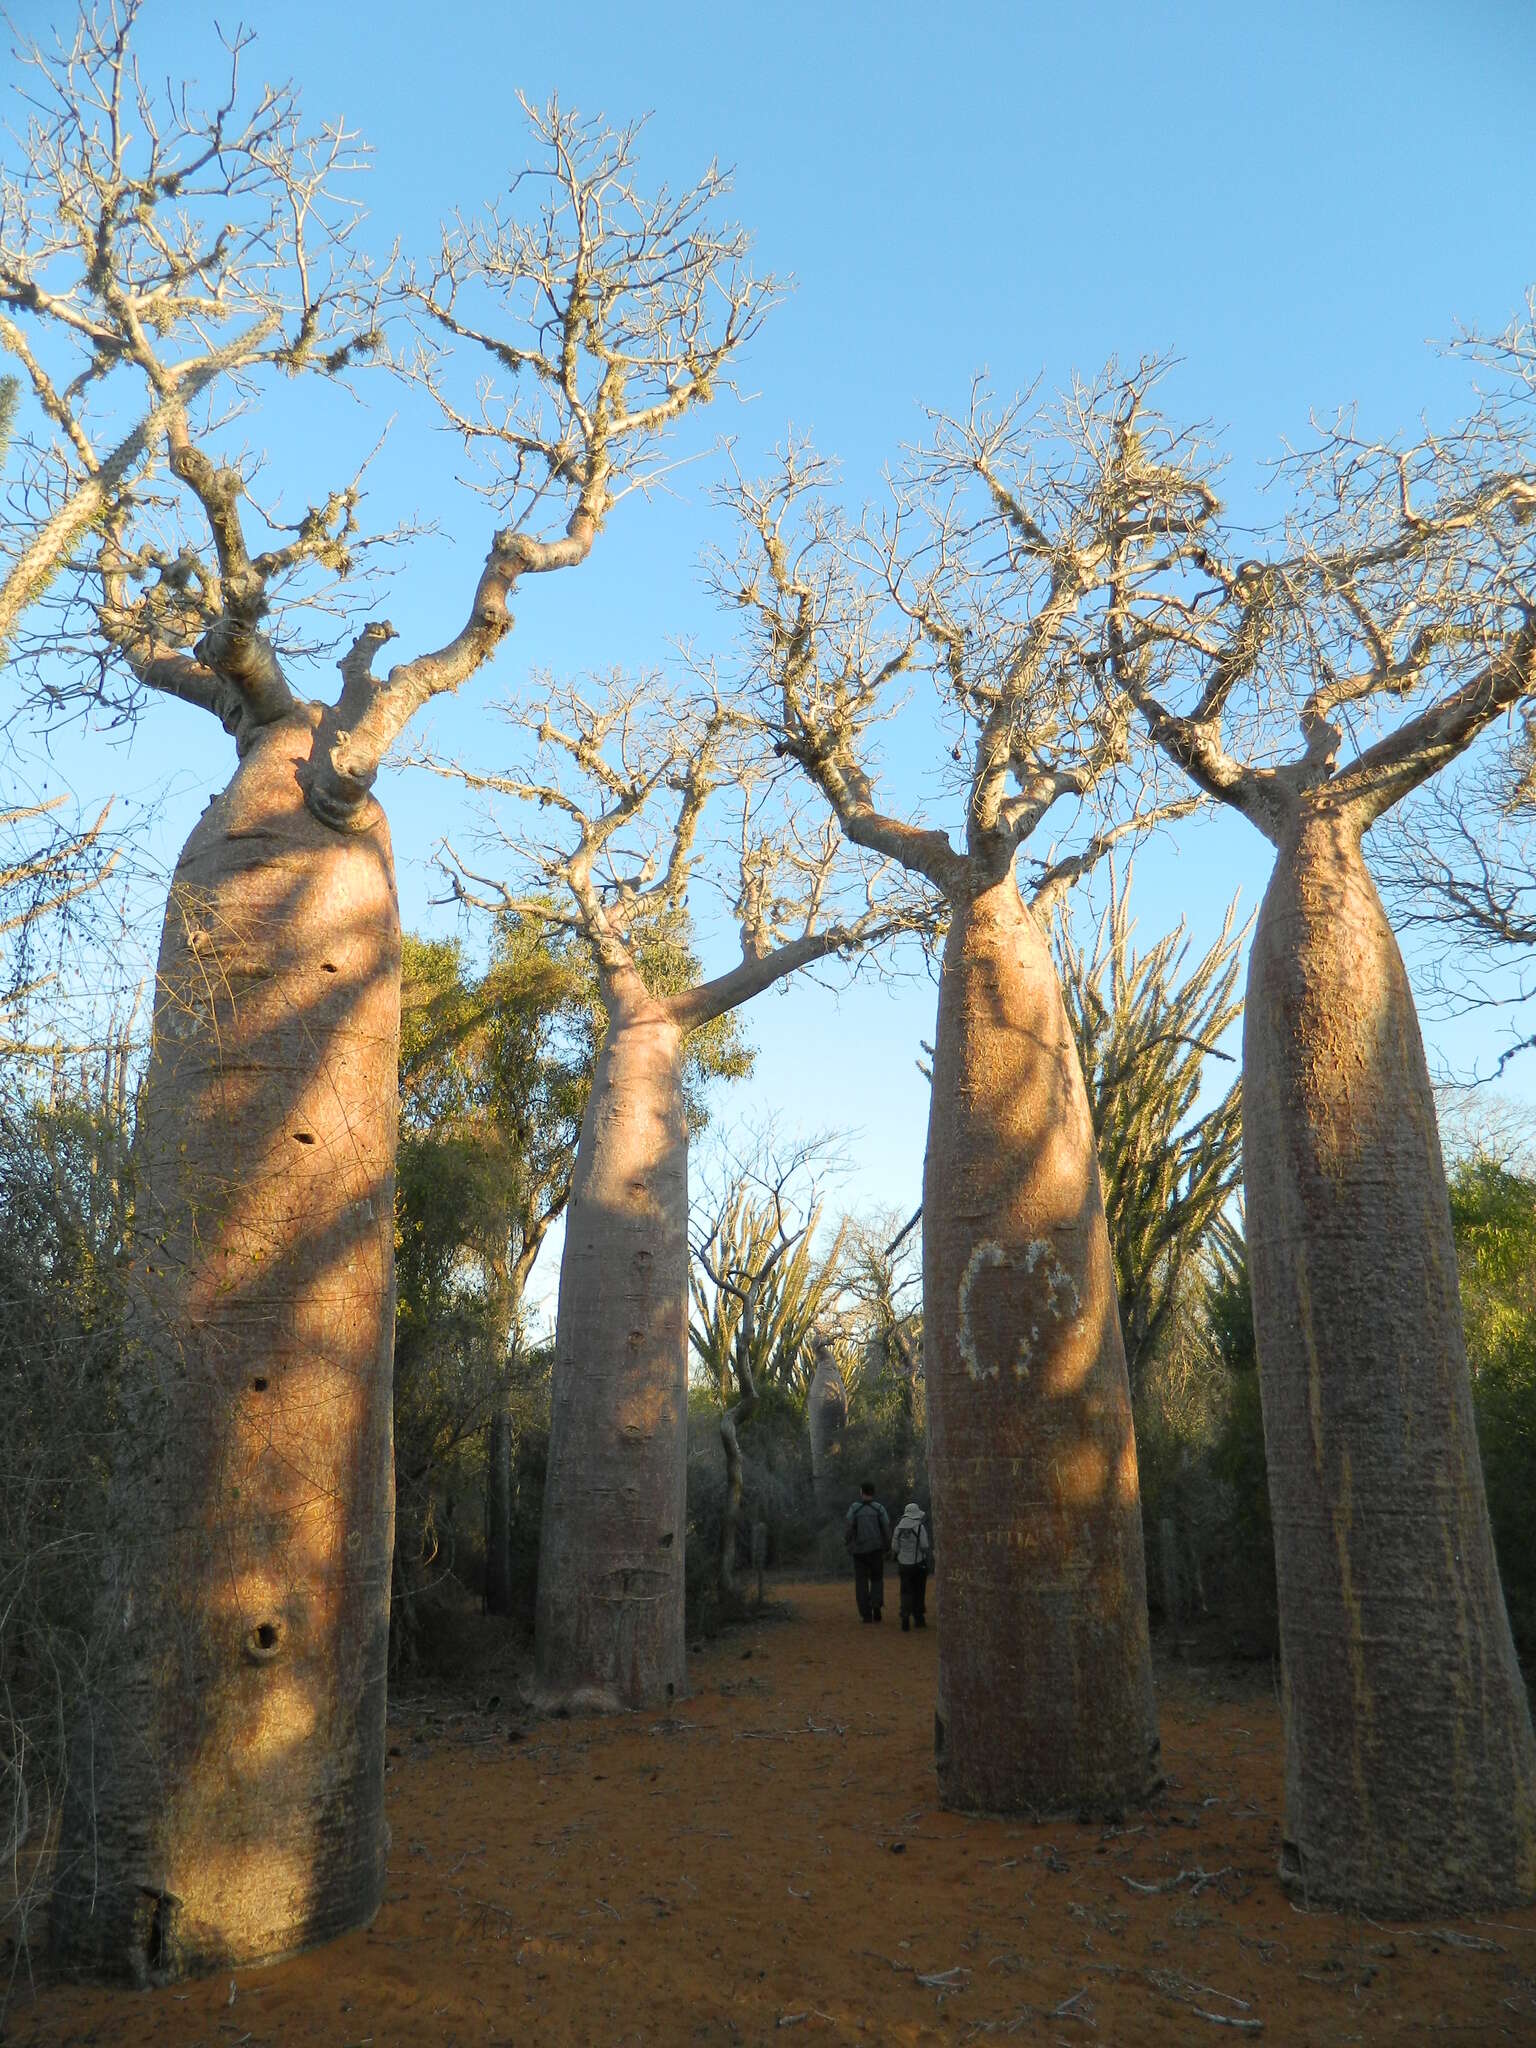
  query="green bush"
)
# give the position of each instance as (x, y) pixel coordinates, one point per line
(1204, 1483)
(1494, 1213)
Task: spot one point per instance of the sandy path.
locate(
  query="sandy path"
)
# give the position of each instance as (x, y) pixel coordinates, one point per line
(768, 1864)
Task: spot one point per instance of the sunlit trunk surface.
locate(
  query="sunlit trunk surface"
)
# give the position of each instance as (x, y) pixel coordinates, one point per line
(1410, 1768)
(1045, 1676)
(227, 1798)
(610, 1631)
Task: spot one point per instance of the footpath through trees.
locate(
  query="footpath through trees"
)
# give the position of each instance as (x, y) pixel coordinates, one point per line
(769, 1860)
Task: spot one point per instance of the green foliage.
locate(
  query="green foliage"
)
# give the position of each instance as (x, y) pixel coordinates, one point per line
(1145, 1028)
(882, 1366)
(1493, 1210)
(791, 1303)
(1238, 1459)
(65, 1198)
(776, 1490)
(1200, 1448)
(494, 1075)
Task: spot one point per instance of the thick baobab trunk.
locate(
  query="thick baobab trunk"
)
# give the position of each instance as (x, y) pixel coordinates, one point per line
(498, 1512)
(826, 1412)
(1045, 1674)
(609, 1632)
(1410, 1766)
(227, 1800)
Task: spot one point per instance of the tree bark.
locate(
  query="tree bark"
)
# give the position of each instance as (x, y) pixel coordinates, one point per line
(1410, 1765)
(609, 1631)
(227, 1799)
(1045, 1675)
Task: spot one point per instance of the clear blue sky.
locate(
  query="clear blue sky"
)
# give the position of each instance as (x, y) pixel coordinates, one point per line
(1292, 199)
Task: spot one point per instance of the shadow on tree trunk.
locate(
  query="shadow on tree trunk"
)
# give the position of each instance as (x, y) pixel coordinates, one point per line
(226, 1795)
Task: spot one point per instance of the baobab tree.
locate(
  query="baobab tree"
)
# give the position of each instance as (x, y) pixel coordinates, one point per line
(151, 249)
(993, 569)
(1394, 619)
(628, 769)
(228, 1792)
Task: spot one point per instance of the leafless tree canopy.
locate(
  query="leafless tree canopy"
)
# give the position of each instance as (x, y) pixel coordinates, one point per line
(1009, 539)
(631, 772)
(1388, 621)
(169, 246)
(150, 247)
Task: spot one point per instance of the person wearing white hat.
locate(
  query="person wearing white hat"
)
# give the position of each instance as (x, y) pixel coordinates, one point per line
(913, 1551)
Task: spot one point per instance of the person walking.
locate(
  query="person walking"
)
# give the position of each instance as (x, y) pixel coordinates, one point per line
(867, 1533)
(912, 1548)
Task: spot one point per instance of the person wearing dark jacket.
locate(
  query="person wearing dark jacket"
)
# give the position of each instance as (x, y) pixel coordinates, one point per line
(867, 1533)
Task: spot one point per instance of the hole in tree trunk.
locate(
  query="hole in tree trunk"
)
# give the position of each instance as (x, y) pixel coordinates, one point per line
(261, 1644)
(304, 1137)
(157, 1925)
(258, 1386)
(666, 1541)
(329, 967)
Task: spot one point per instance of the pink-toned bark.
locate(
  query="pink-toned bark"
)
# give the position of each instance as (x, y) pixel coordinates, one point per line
(609, 1631)
(1410, 1764)
(235, 1762)
(1045, 1676)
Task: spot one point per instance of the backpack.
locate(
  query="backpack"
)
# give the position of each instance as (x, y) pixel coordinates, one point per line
(856, 1528)
(909, 1543)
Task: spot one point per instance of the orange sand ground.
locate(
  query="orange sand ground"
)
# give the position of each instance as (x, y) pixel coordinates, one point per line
(769, 1863)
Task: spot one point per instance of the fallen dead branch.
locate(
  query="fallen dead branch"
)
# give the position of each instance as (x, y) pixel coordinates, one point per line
(1197, 1879)
(1186, 1992)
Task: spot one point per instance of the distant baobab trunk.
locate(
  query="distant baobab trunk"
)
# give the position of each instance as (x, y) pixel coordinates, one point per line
(1045, 1675)
(227, 1803)
(1410, 1765)
(826, 1409)
(610, 1626)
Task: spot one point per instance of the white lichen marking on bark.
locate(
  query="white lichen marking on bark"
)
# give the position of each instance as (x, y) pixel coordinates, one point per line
(1063, 1285)
(1063, 1301)
(987, 1253)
